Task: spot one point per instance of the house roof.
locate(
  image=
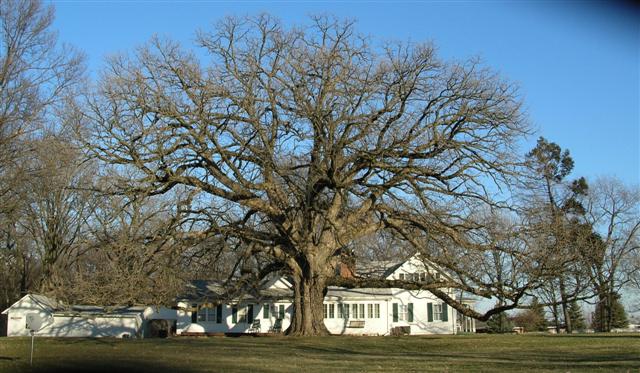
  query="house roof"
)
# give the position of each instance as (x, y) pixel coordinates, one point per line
(41, 300)
(198, 290)
(338, 292)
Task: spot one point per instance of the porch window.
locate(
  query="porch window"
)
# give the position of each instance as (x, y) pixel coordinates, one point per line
(362, 311)
(354, 311)
(332, 313)
(377, 311)
(265, 311)
(370, 311)
(325, 310)
(281, 311)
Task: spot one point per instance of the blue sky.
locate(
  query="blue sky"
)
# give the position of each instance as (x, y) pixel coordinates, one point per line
(577, 63)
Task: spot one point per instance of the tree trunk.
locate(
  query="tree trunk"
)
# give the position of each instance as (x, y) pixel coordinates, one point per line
(565, 308)
(555, 316)
(310, 286)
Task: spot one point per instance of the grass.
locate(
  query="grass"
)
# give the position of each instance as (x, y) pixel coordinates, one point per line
(477, 353)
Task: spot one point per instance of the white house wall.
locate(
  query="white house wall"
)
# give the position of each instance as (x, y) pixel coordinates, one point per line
(421, 324)
(16, 315)
(92, 326)
(228, 326)
(384, 324)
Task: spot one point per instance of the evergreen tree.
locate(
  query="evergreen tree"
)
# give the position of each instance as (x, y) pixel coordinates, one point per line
(575, 314)
(603, 321)
(500, 323)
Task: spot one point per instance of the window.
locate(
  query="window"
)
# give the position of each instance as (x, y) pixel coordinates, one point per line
(345, 308)
(281, 311)
(370, 311)
(377, 309)
(437, 312)
(340, 312)
(332, 313)
(206, 314)
(325, 312)
(403, 312)
(401, 276)
(423, 276)
(362, 311)
(354, 311)
(416, 277)
(265, 311)
(242, 315)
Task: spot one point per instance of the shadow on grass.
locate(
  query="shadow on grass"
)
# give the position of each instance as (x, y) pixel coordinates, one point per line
(103, 366)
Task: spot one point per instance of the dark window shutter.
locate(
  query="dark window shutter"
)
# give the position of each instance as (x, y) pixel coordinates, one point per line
(219, 314)
(430, 312)
(194, 313)
(281, 312)
(234, 314)
(265, 311)
(395, 312)
(410, 312)
(445, 312)
(250, 313)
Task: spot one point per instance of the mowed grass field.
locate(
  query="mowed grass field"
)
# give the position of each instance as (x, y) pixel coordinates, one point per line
(476, 353)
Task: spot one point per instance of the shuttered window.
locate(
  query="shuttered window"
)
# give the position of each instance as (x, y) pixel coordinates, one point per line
(206, 314)
(265, 311)
(437, 312)
(395, 312)
(430, 312)
(281, 312)
(445, 312)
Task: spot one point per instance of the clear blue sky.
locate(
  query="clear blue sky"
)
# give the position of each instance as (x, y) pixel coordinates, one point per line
(577, 63)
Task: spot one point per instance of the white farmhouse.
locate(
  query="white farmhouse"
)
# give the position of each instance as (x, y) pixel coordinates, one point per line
(209, 309)
(361, 311)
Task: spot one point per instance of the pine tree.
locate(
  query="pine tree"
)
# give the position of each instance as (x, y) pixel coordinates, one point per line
(575, 314)
(500, 323)
(602, 321)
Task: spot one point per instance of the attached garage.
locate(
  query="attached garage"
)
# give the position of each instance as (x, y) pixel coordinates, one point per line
(74, 321)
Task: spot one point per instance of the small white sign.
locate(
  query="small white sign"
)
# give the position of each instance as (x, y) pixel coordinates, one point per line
(34, 322)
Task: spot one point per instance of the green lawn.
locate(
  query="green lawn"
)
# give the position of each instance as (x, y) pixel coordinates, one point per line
(573, 353)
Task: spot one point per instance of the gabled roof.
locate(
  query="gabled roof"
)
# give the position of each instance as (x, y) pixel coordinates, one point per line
(41, 300)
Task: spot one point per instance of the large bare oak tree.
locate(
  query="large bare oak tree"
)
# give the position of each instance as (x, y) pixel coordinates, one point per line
(299, 141)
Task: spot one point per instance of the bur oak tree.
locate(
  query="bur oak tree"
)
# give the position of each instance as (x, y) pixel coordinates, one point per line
(298, 141)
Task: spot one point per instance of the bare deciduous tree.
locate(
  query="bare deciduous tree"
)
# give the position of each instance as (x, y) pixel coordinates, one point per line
(36, 74)
(301, 141)
(613, 210)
